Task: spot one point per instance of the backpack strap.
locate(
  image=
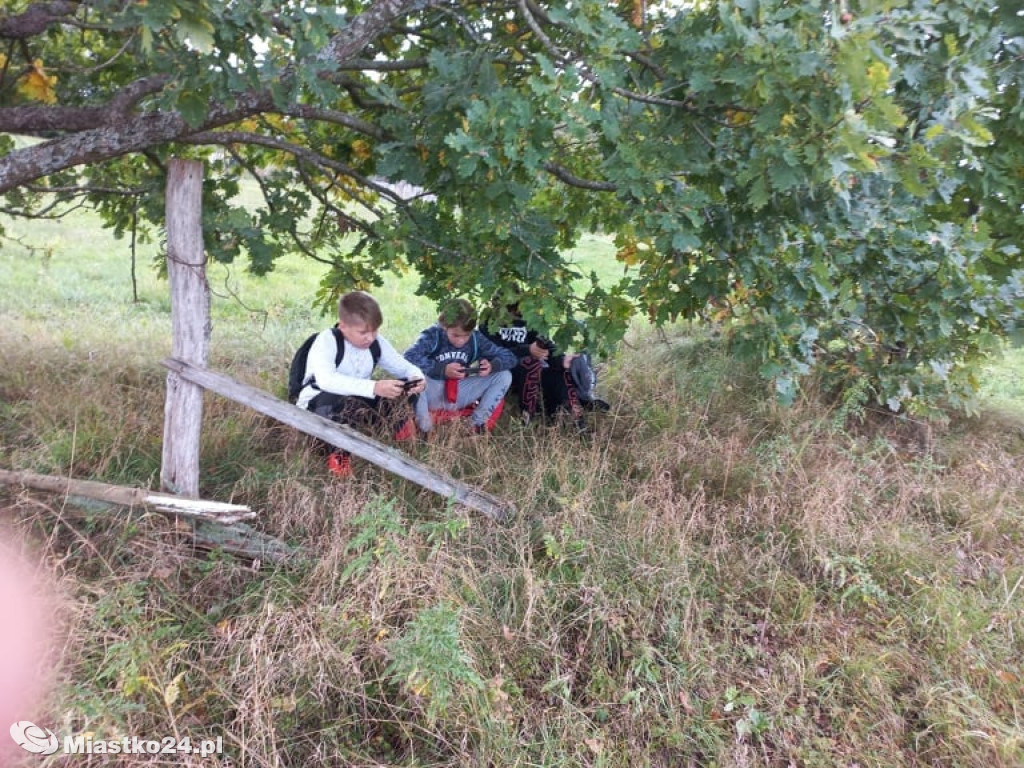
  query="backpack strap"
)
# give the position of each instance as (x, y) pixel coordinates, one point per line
(339, 341)
(375, 350)
(339, 354)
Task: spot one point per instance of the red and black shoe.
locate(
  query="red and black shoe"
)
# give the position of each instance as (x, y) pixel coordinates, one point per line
(339, 464)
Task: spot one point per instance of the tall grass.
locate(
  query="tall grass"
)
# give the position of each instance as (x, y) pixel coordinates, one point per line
(710, 580)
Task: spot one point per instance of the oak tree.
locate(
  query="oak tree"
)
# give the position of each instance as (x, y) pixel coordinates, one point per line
(838, 183)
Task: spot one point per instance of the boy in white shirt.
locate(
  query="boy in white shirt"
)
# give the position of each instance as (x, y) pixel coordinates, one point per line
(343, 390)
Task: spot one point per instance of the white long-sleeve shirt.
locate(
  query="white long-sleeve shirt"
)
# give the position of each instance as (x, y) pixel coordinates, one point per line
(352, 375)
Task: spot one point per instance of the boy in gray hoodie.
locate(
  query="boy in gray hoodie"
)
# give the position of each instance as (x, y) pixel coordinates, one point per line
(462, 367)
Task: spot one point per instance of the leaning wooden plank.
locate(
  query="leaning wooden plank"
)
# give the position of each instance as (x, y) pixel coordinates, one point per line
(197, 509)
(346, 438)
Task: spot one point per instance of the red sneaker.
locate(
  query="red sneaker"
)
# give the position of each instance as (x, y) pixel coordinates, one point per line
(442, 416)
(495, 415)
(406, 432)
(339, 464)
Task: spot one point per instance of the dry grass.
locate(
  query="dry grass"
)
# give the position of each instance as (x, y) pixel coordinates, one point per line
(709, 580)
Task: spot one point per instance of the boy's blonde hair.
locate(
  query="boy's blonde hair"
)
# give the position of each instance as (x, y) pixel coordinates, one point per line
(458, 313)
(360, 307)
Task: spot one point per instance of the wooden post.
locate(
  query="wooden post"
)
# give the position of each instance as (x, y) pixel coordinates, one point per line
(190, 325)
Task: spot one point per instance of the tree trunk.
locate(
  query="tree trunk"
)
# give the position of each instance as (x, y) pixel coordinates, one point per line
(190, 324)
(95, 135)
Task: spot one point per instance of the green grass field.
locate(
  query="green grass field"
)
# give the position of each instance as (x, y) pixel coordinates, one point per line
(711, 580)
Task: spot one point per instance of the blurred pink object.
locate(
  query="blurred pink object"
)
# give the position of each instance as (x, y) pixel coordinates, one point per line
(26, 656)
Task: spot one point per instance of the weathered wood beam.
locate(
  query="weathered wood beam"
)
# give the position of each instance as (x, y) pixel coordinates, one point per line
(215, 525)
(244, 541)
(190, 325)
(196, 509)
(346, 438)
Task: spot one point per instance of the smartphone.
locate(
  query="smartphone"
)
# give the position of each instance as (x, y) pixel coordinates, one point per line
(472, 369)
(410, 383)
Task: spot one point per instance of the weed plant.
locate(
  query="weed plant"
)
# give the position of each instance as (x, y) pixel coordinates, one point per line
(708, 580)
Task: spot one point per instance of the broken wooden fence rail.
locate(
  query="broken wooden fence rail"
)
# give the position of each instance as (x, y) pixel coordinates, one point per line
(344, 437)
(215, 525)
(196, 509)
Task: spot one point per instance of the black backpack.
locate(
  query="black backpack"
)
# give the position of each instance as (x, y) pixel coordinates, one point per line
(297, 379)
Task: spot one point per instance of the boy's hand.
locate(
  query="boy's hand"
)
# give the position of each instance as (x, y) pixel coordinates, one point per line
(539, 352)
(454, 371)
(485, 367)
(389, 388)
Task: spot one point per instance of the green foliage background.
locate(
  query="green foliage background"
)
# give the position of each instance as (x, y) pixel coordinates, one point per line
(837, 182)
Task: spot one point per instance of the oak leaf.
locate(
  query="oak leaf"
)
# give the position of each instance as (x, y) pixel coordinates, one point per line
(36, 85)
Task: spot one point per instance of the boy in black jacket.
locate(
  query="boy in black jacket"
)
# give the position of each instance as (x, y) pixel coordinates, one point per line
(543, 379)
(462, 367)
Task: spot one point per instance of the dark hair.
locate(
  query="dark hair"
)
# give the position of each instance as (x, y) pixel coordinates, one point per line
(357, 306)
(457, 313)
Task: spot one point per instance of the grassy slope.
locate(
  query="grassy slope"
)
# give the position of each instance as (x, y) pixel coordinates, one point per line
(711, 581)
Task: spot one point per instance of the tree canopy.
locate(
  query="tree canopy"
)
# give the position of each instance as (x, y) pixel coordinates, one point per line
(838, 183)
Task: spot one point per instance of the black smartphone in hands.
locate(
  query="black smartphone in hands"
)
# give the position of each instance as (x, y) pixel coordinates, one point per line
(409, 384)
